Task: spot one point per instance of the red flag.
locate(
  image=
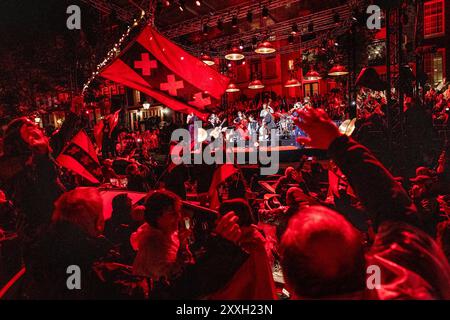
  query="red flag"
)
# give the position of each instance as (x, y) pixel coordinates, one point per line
(79, 156)
(98, 134)
(167, 73)
(252, 281)
(336, 182)
(113, 120)
(222, 173)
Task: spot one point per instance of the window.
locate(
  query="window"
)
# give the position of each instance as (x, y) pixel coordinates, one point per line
(435, 66)
(311, 89)
(434, 18)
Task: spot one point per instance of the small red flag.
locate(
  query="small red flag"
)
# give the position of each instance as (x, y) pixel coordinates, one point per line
(222, 173)
(80, 157)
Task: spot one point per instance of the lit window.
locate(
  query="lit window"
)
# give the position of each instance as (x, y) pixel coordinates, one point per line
(434, 66)
(434, 15)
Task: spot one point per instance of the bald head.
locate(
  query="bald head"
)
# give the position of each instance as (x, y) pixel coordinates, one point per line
(322, 254)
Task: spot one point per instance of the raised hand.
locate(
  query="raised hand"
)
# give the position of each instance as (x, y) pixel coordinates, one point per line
(318, 126)
(228, 228)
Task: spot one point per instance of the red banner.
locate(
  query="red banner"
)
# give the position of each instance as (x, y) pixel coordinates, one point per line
(156, 66)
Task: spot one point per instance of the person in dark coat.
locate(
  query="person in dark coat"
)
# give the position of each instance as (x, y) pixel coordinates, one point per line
(73, 242)
(322, 253)
(119, 227)
(29, 176)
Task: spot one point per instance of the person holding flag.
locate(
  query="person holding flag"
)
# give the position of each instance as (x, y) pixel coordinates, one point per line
(29, 176)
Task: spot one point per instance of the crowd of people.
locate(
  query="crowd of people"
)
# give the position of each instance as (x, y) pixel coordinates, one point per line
(313, 234)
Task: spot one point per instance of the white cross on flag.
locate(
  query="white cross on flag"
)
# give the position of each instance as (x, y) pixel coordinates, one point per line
(154, 65)
(146, 64)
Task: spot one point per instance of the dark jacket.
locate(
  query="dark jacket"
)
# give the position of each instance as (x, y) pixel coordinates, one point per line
(402, 250)
(64, 245)
(33, 189)
(210, 273)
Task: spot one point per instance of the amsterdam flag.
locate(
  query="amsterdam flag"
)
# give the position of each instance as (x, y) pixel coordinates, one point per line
(156, 66)
(80, 157)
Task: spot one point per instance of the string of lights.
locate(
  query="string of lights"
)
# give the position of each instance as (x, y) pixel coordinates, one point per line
(114, 51)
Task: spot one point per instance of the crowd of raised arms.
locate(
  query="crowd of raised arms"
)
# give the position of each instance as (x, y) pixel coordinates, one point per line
(317, 230)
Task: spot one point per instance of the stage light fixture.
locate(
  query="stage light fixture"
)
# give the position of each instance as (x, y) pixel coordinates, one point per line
(207, 60)
(291, 38)
(167, 3)
(265, 12)
(256, 84)
(234, 21)
(234, 54)
(336, 17)
(249, 17)
(232, 88)
(338, 70)
(181, 5)
(312, 75)
(205, 29)
(220, 24)
(292, 83)
(198, 3)
(265, 48)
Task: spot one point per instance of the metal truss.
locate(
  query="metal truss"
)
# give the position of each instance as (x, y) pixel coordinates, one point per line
(323, 24)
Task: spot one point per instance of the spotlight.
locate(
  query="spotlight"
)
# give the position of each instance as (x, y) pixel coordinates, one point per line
(241, 45)
(205, 29)
(249, 17)
(265, 48)
(294, 29)
(167, 3)
(234, 54)
(198, 3)
(311, 27)
(336, 17)
(234, 21)
(220, 24)
(291, 38)
(265, 12)
(207, 59)
(181, 5)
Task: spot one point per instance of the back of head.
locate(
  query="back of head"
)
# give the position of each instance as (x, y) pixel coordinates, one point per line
(241, 209)
(121, 208)
(83, 207)
(322, 254)
(157, 203)
(131, 169)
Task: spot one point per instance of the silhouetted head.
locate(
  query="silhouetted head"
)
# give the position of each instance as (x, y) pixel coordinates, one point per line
(163, 210)
(322, 254)
(82, 206)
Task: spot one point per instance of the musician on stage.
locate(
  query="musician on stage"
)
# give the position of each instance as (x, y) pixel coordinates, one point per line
(268, 122)
(213, 121)
(241, 124)
(253, 126)
(191, 119)
(266, 108)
